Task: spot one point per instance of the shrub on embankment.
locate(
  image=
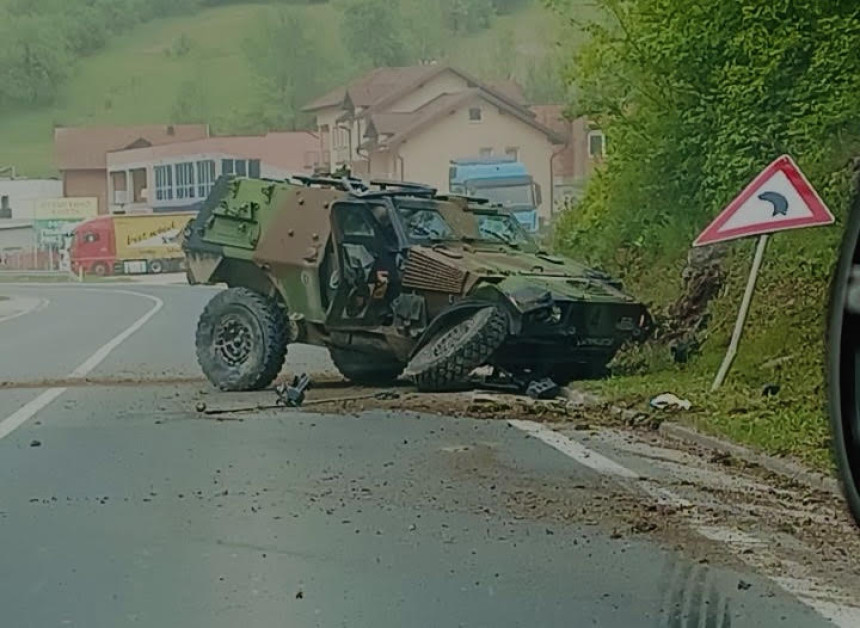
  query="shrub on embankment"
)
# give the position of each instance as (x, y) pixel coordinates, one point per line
(695, 98)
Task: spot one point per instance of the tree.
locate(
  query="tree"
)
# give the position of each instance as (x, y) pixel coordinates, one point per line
(695, 97)
(468, 16)
(34, 60)
(289, 66)
(373, 32)
(425, 24)
(544, 80)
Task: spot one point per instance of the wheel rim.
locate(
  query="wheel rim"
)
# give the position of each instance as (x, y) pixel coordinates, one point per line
(234, 340)
(155, 267)
(446, 343)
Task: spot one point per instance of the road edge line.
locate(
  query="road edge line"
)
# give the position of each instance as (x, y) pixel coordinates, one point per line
(40, 304)
(569, 447)
(28, 410)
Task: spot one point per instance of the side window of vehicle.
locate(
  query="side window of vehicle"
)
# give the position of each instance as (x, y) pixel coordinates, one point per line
(355, 222)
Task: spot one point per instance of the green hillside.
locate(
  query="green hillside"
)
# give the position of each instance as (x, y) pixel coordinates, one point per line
(142, 75)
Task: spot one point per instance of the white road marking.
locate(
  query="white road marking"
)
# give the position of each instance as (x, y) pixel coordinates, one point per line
(843, 615)
(26, 412)
(17, 419)
(39, 305)
(582, 454)
(95, 359)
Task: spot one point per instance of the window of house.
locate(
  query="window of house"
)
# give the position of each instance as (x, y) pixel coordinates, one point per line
(205, 177)
(475, 114)
(486, 152)
(241, 167)
(513, 152)
(138, 185)
(185, 180)
(596, 144)
(164, 183)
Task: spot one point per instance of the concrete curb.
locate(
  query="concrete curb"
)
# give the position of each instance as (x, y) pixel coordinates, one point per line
(779, 466)
(785, 468)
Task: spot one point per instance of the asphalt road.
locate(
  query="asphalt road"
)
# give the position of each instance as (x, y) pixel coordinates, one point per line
(121, 505)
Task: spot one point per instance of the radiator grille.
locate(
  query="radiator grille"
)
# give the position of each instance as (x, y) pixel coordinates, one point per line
(427, 273)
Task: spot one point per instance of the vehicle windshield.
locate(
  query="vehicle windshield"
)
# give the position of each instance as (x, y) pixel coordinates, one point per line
(424, 224)
(504, 228)
(507, 195)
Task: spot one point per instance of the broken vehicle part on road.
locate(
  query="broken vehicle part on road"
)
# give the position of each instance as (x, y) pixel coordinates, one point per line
(392, 277)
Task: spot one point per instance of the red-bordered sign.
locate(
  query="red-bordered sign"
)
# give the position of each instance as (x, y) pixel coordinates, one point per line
(779, 198)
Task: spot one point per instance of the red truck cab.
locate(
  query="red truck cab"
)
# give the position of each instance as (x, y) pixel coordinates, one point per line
(93, 248)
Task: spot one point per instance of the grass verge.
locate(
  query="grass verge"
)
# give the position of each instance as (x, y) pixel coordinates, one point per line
(783, 346)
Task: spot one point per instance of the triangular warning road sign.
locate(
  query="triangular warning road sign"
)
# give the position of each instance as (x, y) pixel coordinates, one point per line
(779, 198)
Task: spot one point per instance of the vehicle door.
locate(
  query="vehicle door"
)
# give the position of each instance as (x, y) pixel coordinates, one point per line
(365, 250)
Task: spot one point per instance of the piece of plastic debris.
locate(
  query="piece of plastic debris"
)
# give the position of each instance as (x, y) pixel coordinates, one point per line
(542, 389)
(668, 400)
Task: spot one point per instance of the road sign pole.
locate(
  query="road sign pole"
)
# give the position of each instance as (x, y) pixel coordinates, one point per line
(742, 314)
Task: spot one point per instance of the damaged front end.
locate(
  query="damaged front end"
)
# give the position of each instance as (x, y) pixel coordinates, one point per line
(567, 328)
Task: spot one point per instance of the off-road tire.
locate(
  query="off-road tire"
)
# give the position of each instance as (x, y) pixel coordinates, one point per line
(445, 361)
(366, 369)
(265, 337)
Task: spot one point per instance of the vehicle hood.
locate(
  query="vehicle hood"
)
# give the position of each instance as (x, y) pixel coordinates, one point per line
(516, 270)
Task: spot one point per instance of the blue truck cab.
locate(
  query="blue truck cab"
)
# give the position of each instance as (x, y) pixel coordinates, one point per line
(502, 180)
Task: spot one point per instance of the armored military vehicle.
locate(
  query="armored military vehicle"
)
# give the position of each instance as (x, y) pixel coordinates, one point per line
(391, 276)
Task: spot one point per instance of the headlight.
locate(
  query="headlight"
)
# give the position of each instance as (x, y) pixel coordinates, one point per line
(555, 314)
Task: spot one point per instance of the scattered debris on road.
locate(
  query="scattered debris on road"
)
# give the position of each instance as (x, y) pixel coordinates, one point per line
(543, 389)
(669, 401)
(293, 395)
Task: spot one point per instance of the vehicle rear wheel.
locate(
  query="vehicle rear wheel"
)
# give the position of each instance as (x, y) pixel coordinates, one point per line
(445, 361)
(366, 369)
(843, 361)
(241, 340)
(156, 266)
(100, 269)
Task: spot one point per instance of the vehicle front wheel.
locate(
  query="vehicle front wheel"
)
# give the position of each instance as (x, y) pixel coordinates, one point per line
(241, 340)
(366, 369)
(447, 359)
